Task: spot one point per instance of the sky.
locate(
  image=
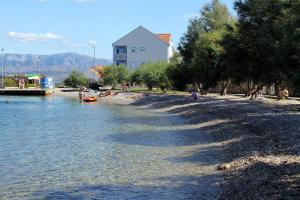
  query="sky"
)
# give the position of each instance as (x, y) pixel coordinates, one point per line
(58, 26)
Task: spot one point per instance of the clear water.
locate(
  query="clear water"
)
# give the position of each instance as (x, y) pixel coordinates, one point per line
(58, 148)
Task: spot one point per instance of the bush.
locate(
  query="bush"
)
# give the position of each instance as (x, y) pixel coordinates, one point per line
(113, 75)
(10, 83)
(76, 79)
(30, 85)
(153, 75)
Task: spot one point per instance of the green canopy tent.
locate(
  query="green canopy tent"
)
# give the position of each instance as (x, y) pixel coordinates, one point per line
(33, 79)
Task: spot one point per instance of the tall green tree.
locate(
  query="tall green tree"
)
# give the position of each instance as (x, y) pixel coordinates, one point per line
(292, 16)
(186, 48)
(267, 30)
(176, 73)
(207, 53)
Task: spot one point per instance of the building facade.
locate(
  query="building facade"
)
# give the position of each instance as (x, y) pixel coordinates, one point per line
(142, 46)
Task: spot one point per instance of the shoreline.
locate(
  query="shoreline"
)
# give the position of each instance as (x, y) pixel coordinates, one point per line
(259, 139)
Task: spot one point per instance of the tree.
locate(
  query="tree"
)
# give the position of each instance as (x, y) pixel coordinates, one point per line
(76, 79)
(186, 49)
(113, 75)
(153, 75)
(135, 77)
(176, 73)
(232, 65)
(207, 50)
(267, 29)
(292, 16)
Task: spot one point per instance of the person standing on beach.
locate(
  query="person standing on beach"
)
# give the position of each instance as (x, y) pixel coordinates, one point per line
(20, 83)
(81, 93)
(194, 95)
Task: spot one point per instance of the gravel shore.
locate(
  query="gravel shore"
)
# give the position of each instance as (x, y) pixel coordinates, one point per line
(260, 141)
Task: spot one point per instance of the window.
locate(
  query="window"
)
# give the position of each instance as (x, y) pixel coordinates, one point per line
(133, 49)
(142, 49)
(118, 51)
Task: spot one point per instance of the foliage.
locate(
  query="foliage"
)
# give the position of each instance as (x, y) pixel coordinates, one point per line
(135, 77)
(30, 85)
(10, 83)
(76, 79)
(113, 75)
(177, 74)
(207, 50)
(268, 40)
(206, 60)
(153, 75)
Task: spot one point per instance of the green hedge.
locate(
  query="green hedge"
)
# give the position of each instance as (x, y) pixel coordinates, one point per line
(10, 83)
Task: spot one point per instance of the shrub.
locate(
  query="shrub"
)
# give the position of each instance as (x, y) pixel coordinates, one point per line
(10, 83)
(76, 79)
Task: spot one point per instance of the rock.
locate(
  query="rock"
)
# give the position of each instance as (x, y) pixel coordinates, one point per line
(223, 167)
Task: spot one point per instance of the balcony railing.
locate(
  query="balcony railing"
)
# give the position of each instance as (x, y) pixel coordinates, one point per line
(120, 57)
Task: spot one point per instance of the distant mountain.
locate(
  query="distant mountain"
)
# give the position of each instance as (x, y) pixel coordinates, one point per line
(57, 66)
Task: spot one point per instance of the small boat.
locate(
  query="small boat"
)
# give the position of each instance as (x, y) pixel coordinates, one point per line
(90, 99)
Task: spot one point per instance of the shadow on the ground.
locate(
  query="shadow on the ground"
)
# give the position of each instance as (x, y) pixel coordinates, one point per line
(243, 122)
(174, 187)
(269, 181)
(249, 128)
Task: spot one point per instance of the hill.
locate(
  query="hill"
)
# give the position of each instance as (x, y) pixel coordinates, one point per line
(57, 66)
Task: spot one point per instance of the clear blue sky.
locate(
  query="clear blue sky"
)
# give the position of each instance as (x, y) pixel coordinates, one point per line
(56, 26)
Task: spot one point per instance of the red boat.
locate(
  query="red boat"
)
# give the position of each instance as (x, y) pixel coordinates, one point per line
(90, 99)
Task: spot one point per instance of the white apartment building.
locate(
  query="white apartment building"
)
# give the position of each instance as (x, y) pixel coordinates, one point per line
(142, 46)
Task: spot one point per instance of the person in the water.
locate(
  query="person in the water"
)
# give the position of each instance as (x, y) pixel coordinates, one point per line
(81, 93)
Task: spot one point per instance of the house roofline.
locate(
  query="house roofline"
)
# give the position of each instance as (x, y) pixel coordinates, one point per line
(113, 44)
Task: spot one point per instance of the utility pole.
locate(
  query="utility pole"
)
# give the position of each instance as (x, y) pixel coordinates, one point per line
(93, 44)
(39, 60)
(94, 55)
(39, 70)
(2, 83)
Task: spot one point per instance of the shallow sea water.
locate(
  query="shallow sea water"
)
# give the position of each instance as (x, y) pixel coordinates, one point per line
(58, 148)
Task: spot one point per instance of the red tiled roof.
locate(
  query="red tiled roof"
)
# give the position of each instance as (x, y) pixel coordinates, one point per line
(166, 37)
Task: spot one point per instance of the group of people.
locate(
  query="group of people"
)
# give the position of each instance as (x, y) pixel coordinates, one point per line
(258, 93)
(106, 93)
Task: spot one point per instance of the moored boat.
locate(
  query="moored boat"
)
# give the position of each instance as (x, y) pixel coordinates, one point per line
(90, 99)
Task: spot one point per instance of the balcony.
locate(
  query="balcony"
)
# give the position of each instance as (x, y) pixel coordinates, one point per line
(120, 56)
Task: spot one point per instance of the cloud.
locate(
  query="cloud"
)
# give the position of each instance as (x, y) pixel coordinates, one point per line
(72, 45)
(59, 42)
(34, 37)
(191, 16)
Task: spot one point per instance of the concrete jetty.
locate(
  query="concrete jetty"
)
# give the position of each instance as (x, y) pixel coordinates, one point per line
(25, 92)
